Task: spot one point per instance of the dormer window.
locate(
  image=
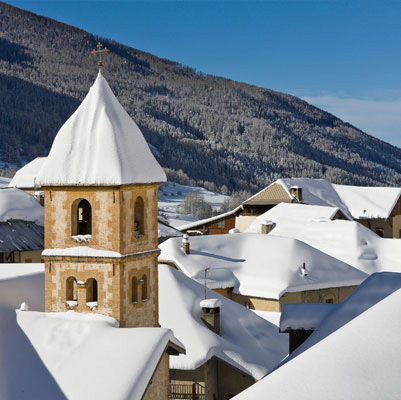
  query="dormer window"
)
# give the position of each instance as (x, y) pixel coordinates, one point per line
(139, 218)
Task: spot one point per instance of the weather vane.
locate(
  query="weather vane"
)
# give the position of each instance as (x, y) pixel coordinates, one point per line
(99, 52)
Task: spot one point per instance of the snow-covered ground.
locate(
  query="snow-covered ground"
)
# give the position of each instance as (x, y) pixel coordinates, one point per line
(172, 195)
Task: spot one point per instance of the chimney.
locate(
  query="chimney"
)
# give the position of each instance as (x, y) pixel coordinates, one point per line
(296, 191)
(211, 314)
(185, 244)
(266, 227)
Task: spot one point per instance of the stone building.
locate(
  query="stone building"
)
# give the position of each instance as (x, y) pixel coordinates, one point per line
(100, 183)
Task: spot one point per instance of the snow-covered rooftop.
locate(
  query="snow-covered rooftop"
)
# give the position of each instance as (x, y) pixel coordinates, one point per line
(358, 201)
(261, 265)
(306, 316)
(290, 218)
(25, 177)
(246, 341)
(355, 351)
(100, 145)
(4, 182)
(69, 355)
(18, 205)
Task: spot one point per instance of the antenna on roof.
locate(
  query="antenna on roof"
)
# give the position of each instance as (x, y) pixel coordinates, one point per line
(99, 52)
(206, 269)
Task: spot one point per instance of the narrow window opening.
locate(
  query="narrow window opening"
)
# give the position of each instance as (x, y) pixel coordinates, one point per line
(71, 292)
(144, 288)
(134, 290)
(139, 218)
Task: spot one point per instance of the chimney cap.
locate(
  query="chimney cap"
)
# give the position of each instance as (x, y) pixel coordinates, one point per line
(210, 303)
(295, 187)
(266, 222)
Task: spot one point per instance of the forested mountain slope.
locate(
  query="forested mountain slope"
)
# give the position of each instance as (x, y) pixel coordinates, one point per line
(205, 130)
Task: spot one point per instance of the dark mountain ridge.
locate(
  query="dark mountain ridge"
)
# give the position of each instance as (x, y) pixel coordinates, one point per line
(203, 129)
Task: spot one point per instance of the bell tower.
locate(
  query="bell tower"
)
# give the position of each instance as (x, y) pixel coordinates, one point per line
(101, 185)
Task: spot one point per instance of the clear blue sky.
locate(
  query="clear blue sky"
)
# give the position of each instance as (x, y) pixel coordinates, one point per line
(344, 56)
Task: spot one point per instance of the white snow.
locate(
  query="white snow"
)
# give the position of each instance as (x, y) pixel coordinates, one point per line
(259, 265)
(355, 353)
(290, 218)
(246, 341)
(16, 204)
(210, 303)
(4, 182)
(357, 201)
(81, 238)
(171, 198)
(100, 145)
(81, 251)
(25, 177)
(68, 355)
(304, 315)
(165, 231)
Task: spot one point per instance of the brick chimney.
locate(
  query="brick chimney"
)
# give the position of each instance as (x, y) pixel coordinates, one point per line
(211, 314)
(296, 191)
(266, 227)
(185, 244)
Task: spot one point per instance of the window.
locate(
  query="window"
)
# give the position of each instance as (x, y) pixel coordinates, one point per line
(81, 218)
(134, 290)
(144, 282)
(71, 289)
(329, 299)
(139, 218)
(380, 232)
(221, 224)
(84, 218)
(91, 290)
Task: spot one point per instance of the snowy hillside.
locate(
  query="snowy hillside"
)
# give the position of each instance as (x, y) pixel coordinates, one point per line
(172, 195)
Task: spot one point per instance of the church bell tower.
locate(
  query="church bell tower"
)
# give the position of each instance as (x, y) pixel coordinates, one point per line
(101, 186)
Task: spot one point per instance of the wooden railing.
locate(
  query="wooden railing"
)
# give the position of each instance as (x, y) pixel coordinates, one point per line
(187, 392)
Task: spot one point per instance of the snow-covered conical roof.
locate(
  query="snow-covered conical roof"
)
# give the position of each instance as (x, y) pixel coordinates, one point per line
(100, 145)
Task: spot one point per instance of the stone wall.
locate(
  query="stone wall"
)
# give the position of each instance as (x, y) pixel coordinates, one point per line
(158, 388)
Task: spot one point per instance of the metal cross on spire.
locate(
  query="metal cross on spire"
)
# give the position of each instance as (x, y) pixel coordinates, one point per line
(99, 52)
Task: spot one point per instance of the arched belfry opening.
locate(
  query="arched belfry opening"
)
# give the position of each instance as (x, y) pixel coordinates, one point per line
(91, 290)
(71, 289)
(81, 217)
(139, 218)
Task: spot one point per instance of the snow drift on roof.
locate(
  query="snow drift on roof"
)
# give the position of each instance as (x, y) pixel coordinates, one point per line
(246, 341)
(68, 355)
(358, 351)
(356, 201)
(16, 204)
(263, 265)
(100, 145)
(290, 218)
(26, 176)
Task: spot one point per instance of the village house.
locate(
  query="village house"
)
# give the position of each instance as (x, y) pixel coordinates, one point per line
(228, 347)
(377, 208)
(353, 352)
(262, 271)
(21, 227)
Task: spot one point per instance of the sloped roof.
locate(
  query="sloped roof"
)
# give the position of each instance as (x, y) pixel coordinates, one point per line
(18, 235)
(25, 177)
(261, 265)
(15, 204)
(100, 145)
(290, 218)
(358, 202)
(356, 351)
(246, 341)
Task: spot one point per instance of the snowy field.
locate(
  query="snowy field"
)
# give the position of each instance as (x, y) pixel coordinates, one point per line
(172, 195)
